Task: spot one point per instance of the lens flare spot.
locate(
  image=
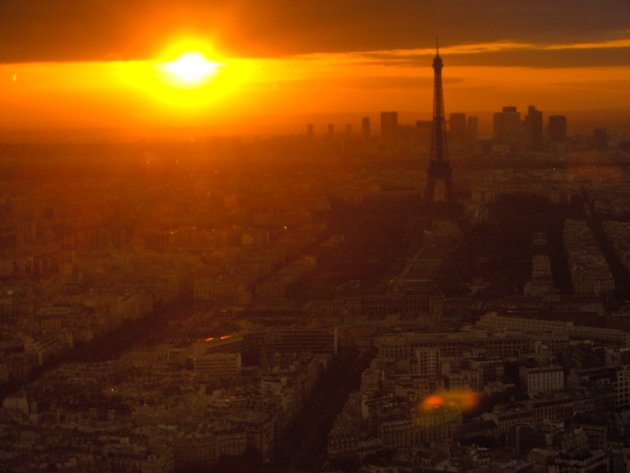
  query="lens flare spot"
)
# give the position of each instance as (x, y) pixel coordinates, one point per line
(433, 401)
(464, 399)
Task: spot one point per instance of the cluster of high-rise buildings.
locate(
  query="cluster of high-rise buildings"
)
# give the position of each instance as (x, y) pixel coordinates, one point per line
(391, 130)
(528, 133)
(511, 132)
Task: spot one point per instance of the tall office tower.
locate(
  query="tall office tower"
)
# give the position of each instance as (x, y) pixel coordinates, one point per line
(424, 130)
(497, 127)
(389, 125)
(557, 128)
(472, 129)
(534, 129)
(365, 127)
(457, 127)
(507, 127)
(600, 139)
(439, 167)
(331, 129)
(348, 128)
(310, 129)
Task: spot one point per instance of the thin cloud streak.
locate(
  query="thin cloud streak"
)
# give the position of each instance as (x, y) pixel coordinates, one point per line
(500, 53)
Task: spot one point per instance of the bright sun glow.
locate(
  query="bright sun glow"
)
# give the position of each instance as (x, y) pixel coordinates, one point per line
(191, 69)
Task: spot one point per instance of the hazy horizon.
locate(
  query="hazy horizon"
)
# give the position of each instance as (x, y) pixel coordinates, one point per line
(579, 122)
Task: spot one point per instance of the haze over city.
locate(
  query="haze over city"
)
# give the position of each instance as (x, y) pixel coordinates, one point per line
(314, 237)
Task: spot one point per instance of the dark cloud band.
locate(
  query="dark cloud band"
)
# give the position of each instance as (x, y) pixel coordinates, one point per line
(62, 30)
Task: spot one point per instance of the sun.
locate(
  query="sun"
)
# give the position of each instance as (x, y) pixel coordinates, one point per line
(190, 69)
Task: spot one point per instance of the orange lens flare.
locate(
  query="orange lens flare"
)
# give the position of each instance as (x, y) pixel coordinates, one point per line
(464, 399)
(431, 402)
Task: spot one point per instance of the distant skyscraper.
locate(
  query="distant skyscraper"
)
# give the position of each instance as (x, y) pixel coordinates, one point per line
(349, 129)
(497, 126)
(557, 128)
(439, 167)
(389, 124)
(600, 139)
(424, 130)
(365, 127)
(331, 129)
(458, 127)
(507, 127)
(310, 129)
(472, 129)
(534, 129)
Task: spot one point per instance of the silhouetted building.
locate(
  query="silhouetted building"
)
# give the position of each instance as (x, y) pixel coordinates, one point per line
(310, 129)
(439, 167)
(281, 340)
(348, 129)
(557, 127)
(389, 124)
(365, 127)
(457, 128)
(507, 127)
(472, 129)
(424, 124)
(218, 364)
(600, 139)
(331, 129)
(534, 129)
(424, 129)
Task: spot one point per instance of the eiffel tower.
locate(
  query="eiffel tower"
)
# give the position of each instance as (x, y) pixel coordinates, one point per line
(439, 167)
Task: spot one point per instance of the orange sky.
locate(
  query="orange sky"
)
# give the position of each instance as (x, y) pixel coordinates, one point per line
(134, 93)
(94, 68)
